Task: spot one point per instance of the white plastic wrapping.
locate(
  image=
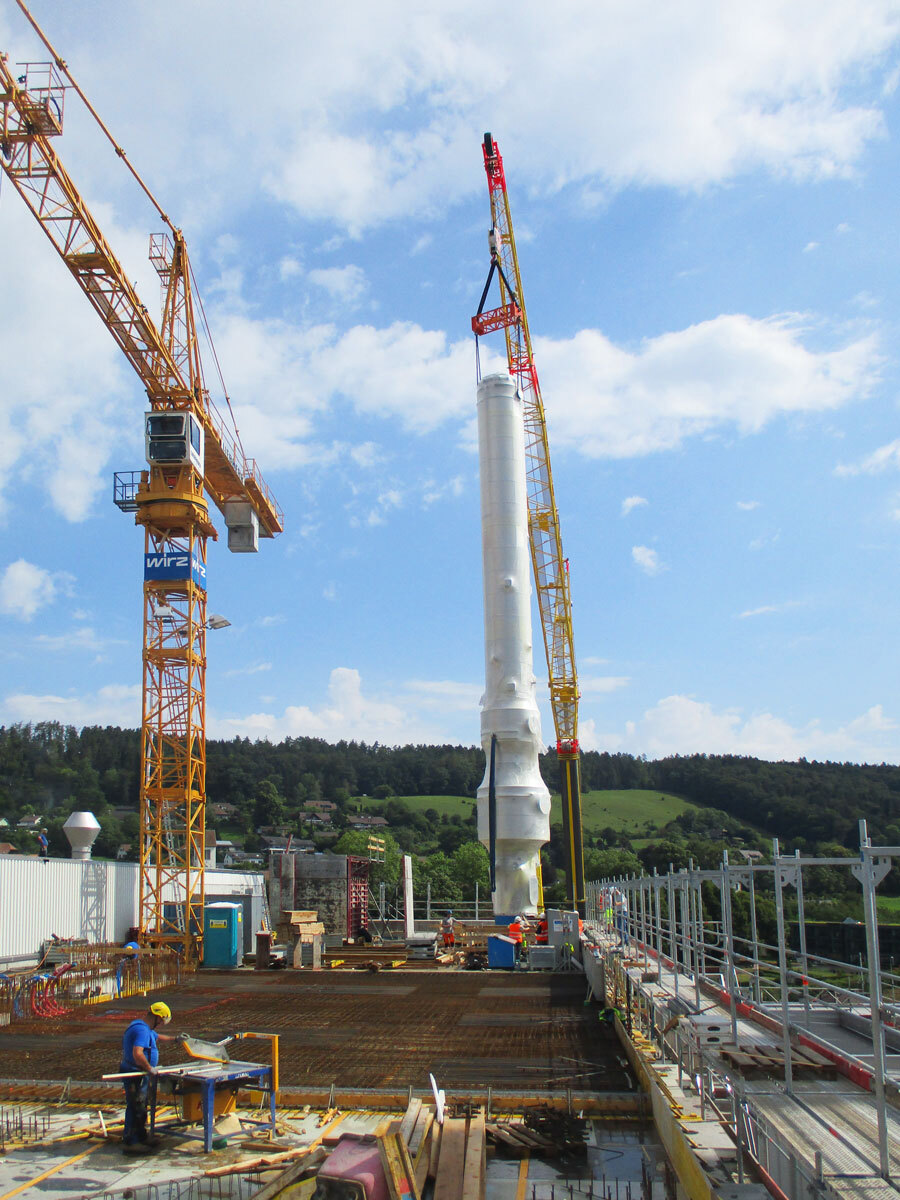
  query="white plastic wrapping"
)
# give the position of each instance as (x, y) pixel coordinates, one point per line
(509, 706)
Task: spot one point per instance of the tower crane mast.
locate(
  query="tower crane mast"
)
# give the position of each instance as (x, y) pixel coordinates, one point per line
(550, 567)
(191, 454)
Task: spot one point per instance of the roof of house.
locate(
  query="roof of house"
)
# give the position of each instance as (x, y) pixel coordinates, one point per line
(7, 848)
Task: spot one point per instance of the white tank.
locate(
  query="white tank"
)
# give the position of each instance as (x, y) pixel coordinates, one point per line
(81, 829)
(509, 706)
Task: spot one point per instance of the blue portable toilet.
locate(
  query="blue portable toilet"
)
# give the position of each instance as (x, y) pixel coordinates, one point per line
(223, 935)
(501, 952)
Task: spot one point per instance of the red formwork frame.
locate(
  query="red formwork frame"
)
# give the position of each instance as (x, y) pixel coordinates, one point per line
(357, 895)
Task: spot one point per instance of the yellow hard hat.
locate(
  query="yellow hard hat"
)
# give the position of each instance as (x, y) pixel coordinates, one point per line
(162, 1011)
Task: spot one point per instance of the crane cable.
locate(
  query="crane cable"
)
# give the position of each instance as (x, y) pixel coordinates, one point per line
(61, 64)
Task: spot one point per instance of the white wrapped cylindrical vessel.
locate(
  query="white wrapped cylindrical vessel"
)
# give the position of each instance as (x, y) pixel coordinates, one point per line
(510, 721)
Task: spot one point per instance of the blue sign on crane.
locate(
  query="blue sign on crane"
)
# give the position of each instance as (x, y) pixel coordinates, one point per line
(175, 564)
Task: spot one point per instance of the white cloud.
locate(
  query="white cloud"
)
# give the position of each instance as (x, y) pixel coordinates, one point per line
(372, 117)
(25, 588)
(433, 491)
(810, 246)
(346, 284)
(747, 505)
(682, 725)
(253, 669)
(632, 502)
(767, 539)
(646, 559)
(873, 464)
(445, 695)
(733, 371)
(386, 502)
(761, 611)
(592, 685)
(289, 268)
(346, 714)
(115, 704)
(82, 638)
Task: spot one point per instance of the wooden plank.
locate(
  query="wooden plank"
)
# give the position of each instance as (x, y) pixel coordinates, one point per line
(408, 1124)
(420, 1132)
(434, 1153)
(499, 1133)
(401, 1178)
(473, 1178)
(522, 1181)
(423, 1158)
(448, 1182)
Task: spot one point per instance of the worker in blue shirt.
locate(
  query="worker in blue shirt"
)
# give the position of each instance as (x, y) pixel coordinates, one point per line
(140, 1053)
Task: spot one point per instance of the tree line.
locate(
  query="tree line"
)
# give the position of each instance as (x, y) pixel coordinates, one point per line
(49, 768)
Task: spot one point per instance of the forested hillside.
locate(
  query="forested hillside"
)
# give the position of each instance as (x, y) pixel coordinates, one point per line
(638, 814)
(47, 768)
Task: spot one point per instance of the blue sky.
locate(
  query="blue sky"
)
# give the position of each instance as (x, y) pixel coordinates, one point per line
(705, 201)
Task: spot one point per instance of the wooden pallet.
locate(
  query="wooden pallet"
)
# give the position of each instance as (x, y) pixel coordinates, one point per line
(761, 1059)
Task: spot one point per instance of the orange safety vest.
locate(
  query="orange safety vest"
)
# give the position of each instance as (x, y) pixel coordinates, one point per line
(515, 932)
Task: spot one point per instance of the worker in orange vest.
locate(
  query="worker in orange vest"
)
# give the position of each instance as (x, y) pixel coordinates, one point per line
(541, 934)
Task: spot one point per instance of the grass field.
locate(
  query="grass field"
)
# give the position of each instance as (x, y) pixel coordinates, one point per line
(451, 805)
(625, 811)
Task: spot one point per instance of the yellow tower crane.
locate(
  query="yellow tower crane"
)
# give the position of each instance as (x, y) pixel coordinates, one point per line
(551, 569)
(191, 454)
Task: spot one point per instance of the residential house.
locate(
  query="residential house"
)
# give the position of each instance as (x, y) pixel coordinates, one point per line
(30, 822)
(242, 858)
(365, 821)
(320, 806)
(7, 848)
(224, 811)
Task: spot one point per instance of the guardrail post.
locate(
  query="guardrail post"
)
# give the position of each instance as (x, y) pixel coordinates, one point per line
(673, 949)
(428, 900)
(780, 883)
(728, 931)
(801, 925)
(754, 937)
(866, 873)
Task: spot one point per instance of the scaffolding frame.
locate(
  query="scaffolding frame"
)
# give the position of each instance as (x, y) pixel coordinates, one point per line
(662, 919)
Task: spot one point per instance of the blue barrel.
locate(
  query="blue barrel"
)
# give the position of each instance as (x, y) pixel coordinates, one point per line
(223, 935)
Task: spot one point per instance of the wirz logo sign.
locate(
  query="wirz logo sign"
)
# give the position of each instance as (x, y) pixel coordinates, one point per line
(175, 564)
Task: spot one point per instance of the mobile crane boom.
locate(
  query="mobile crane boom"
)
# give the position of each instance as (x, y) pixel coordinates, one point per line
(190, 454)
(551, 569)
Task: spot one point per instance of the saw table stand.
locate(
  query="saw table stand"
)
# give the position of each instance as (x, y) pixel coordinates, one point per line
(234, 1076)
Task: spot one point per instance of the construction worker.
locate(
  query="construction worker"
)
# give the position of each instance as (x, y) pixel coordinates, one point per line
(43, 844)
(541, 936)
(447, 929)
(140, 1053)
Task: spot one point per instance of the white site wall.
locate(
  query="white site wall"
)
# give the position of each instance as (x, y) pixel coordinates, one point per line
(93, 899)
